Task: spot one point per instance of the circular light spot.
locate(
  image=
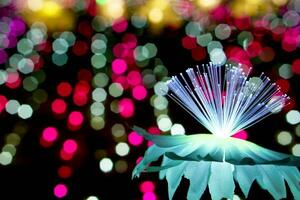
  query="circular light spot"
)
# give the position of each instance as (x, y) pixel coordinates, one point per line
(25, 111)
(50, 134)
(60, 190)
(92, 198)
(119, 66)
(161, 88)
(177, 129)
(97, 108)
(126, 107)
(115, 89)
(118, 130)
(164, 122)
(12, 107)
(5, 158)
(100, 80)
(25, 46)
(59, 106)
(99, 94)
(296, 150)
(121, 166)
(70, 146)
(98, 61)
(155, 15)
(139, 92)
(147, 186)
(97, 123)
(293, 117)
(64, 89)
(75, 118)
(98, 46)
(122, 149)
(60, 46)
(135, 139)
(25, 65)
(222, 31)
(106, 165)
(284, 138)
(217, 56)
(149, 196)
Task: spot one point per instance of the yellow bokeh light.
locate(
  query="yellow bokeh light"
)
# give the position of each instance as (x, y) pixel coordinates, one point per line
(52, 13)
(208, 4)
(35, 5)
(160, 13)
(51, 9)
(279, 2)
(250, 7)
(155, 15)
(113, 9)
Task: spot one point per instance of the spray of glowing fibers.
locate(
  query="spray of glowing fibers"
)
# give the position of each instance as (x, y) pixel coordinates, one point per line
(225, 105)
(224, 100)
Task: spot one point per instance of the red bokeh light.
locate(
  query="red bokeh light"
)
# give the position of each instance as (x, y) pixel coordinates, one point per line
(147, 186)
(134, 78)
(3, 101)
(64, 171)
(50, 134)
(119, 66)
(75, 120)
(135, 139)
(64, 89)
(120, 25)
(60, 190)
(126, 107)
(296, 66)
(70, 146)
(139, 92)
(189, 42)
(59, 106)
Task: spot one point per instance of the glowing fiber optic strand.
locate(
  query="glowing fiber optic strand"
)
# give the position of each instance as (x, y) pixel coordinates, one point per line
(224, 100)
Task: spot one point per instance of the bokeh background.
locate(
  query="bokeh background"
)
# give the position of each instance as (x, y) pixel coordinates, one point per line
(76, 75)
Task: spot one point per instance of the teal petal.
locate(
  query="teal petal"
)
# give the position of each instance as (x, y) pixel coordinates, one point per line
(221, 184)
(173, 177)
(292, 177)
(198, 174)
(245, 175)
(272, 180)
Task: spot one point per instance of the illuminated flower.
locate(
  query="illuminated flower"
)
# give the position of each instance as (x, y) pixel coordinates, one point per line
(224, 100)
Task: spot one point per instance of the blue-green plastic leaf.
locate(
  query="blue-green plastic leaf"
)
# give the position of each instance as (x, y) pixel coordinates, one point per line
(245, 175)
(292, 177)
(208, 147)
(225, 158)
(174, 176)
(165, 161)
(271, 179)
(221, 183)
(198, 174)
